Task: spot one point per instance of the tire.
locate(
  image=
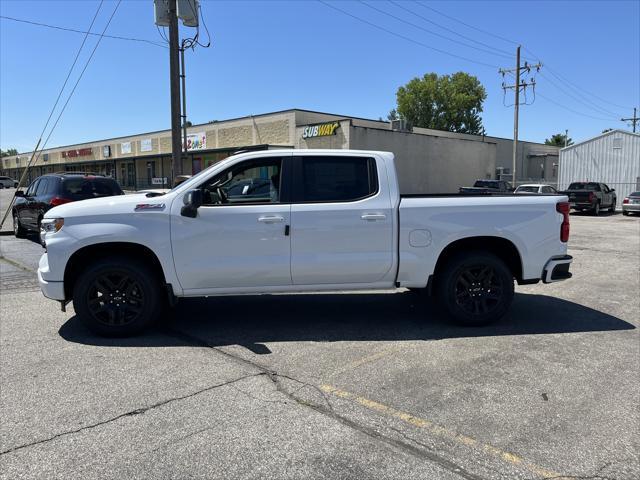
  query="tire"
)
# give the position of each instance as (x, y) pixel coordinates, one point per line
(612, 208)
(625, 213)
(596, 209)
(18, 230)
(1, 186)
(118, 297)
(475, 288)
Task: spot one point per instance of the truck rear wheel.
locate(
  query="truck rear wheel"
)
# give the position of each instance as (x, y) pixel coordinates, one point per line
(475, 288)
(596, 209)
(117, 297)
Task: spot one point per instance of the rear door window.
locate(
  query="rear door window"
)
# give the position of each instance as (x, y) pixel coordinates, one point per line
(335, 179)
(43, 186)
(32, 188)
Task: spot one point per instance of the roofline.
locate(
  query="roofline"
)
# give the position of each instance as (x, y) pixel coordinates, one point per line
(604, 134)
(250, 116)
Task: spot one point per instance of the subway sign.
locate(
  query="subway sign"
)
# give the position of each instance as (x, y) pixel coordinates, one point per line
(321, 130)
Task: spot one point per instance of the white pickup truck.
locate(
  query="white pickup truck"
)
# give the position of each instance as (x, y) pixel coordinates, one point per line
(297, 221)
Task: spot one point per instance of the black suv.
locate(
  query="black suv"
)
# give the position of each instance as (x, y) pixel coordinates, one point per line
(55, 189)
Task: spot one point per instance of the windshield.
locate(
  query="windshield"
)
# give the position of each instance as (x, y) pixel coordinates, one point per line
(584, 186)
(195, 178)
(527, 188)
(486, 183)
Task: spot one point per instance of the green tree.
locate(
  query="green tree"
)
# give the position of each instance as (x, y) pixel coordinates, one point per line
(557, 140)
(446, 102)
(8, 153)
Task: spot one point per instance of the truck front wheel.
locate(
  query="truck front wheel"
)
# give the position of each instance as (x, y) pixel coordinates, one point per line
(117, 296)
(475, 288)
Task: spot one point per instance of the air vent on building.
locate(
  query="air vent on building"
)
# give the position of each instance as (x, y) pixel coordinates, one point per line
(400, 126)
(617, 142)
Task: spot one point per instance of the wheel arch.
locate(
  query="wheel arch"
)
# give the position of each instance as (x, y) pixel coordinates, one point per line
(82, 257)
(502, 248)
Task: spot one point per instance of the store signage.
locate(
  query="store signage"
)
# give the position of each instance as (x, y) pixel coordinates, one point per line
(197, 141)
(145, 145)
(125, 147)
(106, 151)
(82, 152)
(322, 130)
(159, 181)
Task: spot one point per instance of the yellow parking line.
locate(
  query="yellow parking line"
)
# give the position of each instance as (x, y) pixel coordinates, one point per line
(438, 430)
(367, 359)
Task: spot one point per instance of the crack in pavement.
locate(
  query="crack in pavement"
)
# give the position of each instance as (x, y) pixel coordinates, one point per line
(329, 410)
(137, 411)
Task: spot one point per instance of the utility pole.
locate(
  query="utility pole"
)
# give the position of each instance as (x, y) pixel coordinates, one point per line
(633, 119)
(566, 136)
(174, 74)
(167, 13)
(516, 111)
(183, 76)
(516, 87)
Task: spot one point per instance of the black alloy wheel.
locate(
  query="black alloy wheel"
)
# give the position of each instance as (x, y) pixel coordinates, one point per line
(475, 288)
(117, 296)
(478, 290)
(18, 229)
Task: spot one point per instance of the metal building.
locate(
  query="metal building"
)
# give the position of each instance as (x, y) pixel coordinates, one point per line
(612, 158)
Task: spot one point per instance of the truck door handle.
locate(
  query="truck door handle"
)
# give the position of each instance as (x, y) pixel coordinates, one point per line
(271, 219)
(372, 217)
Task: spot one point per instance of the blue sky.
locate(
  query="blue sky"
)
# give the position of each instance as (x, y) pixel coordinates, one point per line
(274, 55)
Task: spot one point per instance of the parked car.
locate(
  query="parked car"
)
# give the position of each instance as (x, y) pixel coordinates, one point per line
(592, 196)
(336, 222)
(8, 182)
(51, 190)
(631, 204)
(533, 188)
(488, 186)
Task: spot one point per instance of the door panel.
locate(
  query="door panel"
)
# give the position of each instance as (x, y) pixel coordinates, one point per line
(232, 246)
(340, 242)
(240, 237)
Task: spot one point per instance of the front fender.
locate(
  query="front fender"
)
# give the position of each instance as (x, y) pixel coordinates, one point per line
(150, 230)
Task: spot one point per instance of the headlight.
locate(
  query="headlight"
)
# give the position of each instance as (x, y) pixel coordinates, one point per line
(51, 225)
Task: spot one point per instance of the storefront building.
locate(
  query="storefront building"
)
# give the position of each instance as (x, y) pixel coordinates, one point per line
(427, 160)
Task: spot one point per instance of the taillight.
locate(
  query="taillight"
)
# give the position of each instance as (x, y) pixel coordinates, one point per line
(564, 208)
(55, 201)
(626, 200)
(591, 195)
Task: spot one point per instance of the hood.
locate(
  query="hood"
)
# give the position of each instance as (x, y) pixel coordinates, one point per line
(106, 205)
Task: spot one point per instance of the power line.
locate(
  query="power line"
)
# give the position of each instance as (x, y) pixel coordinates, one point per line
(408, 39)
(555, 74)
(592, 106)
(75, 60)
(100, 37)
(491, 47)
(466, 24)
(571, 109)
(570, 83)
(431, 32)
(56, 27)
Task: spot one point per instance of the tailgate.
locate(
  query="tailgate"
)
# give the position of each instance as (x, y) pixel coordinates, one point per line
(578, 196)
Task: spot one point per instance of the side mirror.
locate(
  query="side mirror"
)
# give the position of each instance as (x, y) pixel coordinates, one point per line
(19, 193)
(613, 190)
(192, 201)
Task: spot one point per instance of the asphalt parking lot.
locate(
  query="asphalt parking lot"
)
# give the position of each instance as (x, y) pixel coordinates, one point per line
(332, 386)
